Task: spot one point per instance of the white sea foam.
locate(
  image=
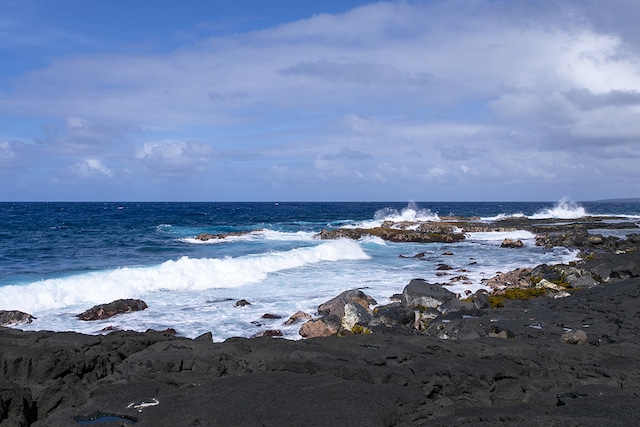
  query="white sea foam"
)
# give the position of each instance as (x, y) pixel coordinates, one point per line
(412, 213)
(184, 274)
(562, 210)
(272, 235)
(502, 216)
(499, 236)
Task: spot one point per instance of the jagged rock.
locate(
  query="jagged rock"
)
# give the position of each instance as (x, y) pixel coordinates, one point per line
(518, 278)
(14, 317)
(299, 315)
(509, 243)
(242, 303)
(354, 314)
(16, 404)
(421, 294)
(335, 305)
(394, 315)
(481, 299)
(105, 311)
(545, 272)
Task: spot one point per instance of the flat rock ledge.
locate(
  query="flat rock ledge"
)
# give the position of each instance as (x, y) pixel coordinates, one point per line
(549, 232)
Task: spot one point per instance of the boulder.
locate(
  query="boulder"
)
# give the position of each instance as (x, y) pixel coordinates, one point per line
(299, 315)
(336, 305)
(421, 294)
(544, 271)
(14, 317)
(324, 327)
(394, 315)
(242, 303)
(105, 311)
(354, 314)
(509, 243)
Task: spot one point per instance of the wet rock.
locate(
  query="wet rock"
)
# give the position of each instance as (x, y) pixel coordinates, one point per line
(509, 243)
(14, 317)
(105, 311)
(207, 236)
(418, 255)
(242, 303)
(271, 333)
(271, 316)
(297, 316)
(392, 234)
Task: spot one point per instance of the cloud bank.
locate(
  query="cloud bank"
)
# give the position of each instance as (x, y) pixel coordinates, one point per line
(442, 100)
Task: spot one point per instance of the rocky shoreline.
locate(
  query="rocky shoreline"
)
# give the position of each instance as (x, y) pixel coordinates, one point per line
(553, 345)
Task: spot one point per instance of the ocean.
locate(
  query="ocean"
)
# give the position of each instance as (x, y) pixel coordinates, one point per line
(59, 259)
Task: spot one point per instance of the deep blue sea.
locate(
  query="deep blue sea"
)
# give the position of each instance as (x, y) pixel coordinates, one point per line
(58, 259)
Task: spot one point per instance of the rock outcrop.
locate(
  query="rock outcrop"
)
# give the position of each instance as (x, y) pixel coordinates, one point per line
(105, 311)
(14, 317)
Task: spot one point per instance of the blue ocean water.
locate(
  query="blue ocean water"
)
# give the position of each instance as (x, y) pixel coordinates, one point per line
(58, 259)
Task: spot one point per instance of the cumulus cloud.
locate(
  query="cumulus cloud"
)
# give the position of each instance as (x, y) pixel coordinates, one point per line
(174, 159)
(90, 169)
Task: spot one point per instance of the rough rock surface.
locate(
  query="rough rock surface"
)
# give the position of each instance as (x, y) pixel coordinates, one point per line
(532, 377)
(105, 311)
(14, 317)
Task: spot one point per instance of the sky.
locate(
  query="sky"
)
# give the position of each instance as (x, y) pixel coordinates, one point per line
(333, 100)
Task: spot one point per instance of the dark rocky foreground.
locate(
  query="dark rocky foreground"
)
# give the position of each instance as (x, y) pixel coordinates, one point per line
(546, 361)
(531, 378)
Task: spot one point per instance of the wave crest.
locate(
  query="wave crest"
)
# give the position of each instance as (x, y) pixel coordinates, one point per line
(182, 274)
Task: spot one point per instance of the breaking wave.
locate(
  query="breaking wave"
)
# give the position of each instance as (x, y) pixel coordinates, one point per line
(182, 274)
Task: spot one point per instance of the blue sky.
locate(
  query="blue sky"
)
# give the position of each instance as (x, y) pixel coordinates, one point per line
(296, 100)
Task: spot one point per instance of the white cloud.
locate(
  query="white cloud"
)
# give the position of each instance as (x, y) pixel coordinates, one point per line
(90, 169)
(174, 158)
(485, 91)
